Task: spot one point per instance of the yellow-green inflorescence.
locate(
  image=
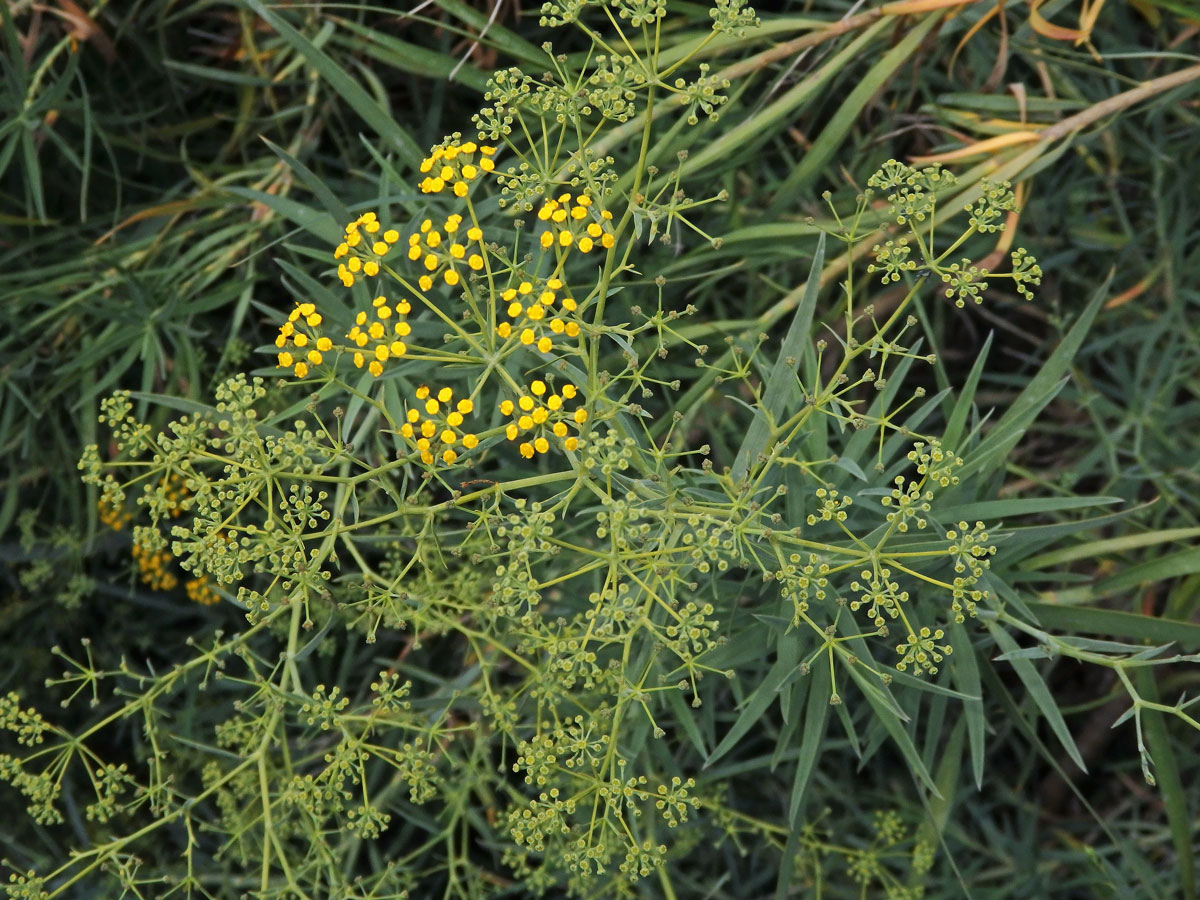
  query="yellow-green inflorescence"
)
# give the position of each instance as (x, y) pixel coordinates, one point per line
(583, 599)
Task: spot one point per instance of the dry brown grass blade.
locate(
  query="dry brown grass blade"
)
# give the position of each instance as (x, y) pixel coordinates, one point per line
(1048, 29)
(973, 30)
(1061, 129)
(978, 148)
(912, 7)
(1119, 102)
(1138, 289)
(171, 208)
(84, 28)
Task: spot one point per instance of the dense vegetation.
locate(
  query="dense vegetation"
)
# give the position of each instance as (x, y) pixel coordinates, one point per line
(627, 448)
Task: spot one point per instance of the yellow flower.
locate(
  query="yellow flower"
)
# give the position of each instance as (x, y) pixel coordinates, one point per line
(434, 425)
(113, 517)
(574, 221)
(363, 254)
(382, 338)
(299, 333)
(152, 567)
(533, 317)
(455, 166)
(199, 590)
(442, 254)
(538, 414)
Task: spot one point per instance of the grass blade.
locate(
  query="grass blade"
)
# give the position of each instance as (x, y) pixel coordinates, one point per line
(834, 133)
(379, 119)
(781, 391)
(1117, 624)
(994, 448)
(815, 719)
(1039, 692)
(1170, 783)
(956, 425)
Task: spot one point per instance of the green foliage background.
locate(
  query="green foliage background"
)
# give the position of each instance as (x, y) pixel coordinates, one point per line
(170, 173)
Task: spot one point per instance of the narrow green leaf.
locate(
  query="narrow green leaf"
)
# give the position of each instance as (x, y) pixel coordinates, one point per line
(1012, 713)
(1170, 783)
(1110, 546)
(759, 701)
(929, 687)
(991, 510)
(956, 425)
(212, 73)
(1041, 389)
(379, 119)
(1021, 541)
(744, 136)
(409, 57)
(815, 720)
(1008, 105)
(207, 749)
(938, 808)
(333, 205)
(865, 438)
(1038, 692)
(791, 697)
(816, 716)
(964, 666)
(1184, 562)
(886, 714)
(494, 34)
(319, 224)
(314, 641)
(849, 465)
(781, 391)
(1115, 623)
(1025, 653)
(685, 716)
(947, 777)
(827, 143)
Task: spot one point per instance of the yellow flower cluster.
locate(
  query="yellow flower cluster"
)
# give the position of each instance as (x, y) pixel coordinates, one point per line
(533, 319)
(363, 247)
(537, 312)
(176, 494)
(381, 339)
(152, 567)
(436, 423)
(454, 167)
(538, 413)
(444, 253)
(199, 590)
(113, 517)
(152, 563)
(298, 341)
(574, 221)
